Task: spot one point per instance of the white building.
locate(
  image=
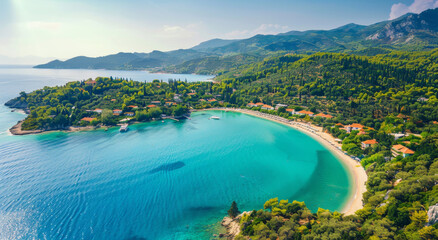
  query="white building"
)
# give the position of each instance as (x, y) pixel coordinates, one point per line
(279, 106)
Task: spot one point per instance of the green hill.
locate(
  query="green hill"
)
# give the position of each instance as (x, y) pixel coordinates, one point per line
(409, 32)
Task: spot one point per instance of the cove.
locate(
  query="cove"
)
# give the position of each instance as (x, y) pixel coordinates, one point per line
(171, 180)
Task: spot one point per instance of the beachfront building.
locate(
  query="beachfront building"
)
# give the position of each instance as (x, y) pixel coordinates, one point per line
(401, 150)
(98, 110)
(133, 106)
(156, 102)
(280, 105)
(304, 112)
(267, 107)
(117, 111)
(88, 119)
(255, 104)
(151, 106)
(212, 100)
(369, 143)
(290, 111)
(324, 115)
(170, 104)
(353, 127)
(130, 114)
(259, 104)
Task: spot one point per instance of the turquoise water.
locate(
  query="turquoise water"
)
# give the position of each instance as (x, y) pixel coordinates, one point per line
(171, 180)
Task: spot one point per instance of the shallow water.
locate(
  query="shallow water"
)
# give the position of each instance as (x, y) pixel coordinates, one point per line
(171, 180)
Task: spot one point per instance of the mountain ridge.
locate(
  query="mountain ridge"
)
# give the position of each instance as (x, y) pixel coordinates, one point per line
(410, 31)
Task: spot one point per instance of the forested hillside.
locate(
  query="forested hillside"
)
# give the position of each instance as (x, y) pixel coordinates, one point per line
(214, 65)
(357, 87)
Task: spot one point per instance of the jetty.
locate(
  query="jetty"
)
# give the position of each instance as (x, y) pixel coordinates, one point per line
(124, 128)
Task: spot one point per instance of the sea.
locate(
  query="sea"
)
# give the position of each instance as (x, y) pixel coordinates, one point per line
(159, 180)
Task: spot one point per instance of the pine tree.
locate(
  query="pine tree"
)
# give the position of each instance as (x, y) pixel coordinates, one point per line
(233, 211)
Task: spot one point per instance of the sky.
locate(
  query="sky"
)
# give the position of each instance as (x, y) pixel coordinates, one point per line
(31, 30)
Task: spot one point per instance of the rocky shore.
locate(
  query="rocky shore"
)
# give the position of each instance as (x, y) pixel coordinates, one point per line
(232, 226)
(17, 130)
(17, 104)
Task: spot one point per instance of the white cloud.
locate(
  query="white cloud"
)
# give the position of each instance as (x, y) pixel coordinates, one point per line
(262, 29)
(179, 31)
(417, 6)
(173, 29)
(43, 25)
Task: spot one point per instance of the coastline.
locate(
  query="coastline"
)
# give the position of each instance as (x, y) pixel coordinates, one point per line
(16, 130)
(357, 172)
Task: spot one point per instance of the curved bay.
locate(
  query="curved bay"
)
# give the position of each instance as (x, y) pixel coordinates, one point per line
(159, 180)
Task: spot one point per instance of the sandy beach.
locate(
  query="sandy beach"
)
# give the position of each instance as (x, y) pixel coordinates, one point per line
(357, 172)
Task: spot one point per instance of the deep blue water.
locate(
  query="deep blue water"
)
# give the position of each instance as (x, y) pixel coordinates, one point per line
(171, 180)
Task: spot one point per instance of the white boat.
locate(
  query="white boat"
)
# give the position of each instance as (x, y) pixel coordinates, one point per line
(215, 117)
(124, 128)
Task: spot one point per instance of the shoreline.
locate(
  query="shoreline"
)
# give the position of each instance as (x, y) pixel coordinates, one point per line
(17, 131)
(357, 172)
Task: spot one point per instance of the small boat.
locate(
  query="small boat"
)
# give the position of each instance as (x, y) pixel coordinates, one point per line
(162, 121)
(215, 117)
(123, 128)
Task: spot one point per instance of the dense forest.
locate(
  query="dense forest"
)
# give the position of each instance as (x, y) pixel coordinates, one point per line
(388, 94)
(106, 101)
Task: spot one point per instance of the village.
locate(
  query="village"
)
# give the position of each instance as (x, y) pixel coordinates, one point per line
(396, 149)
